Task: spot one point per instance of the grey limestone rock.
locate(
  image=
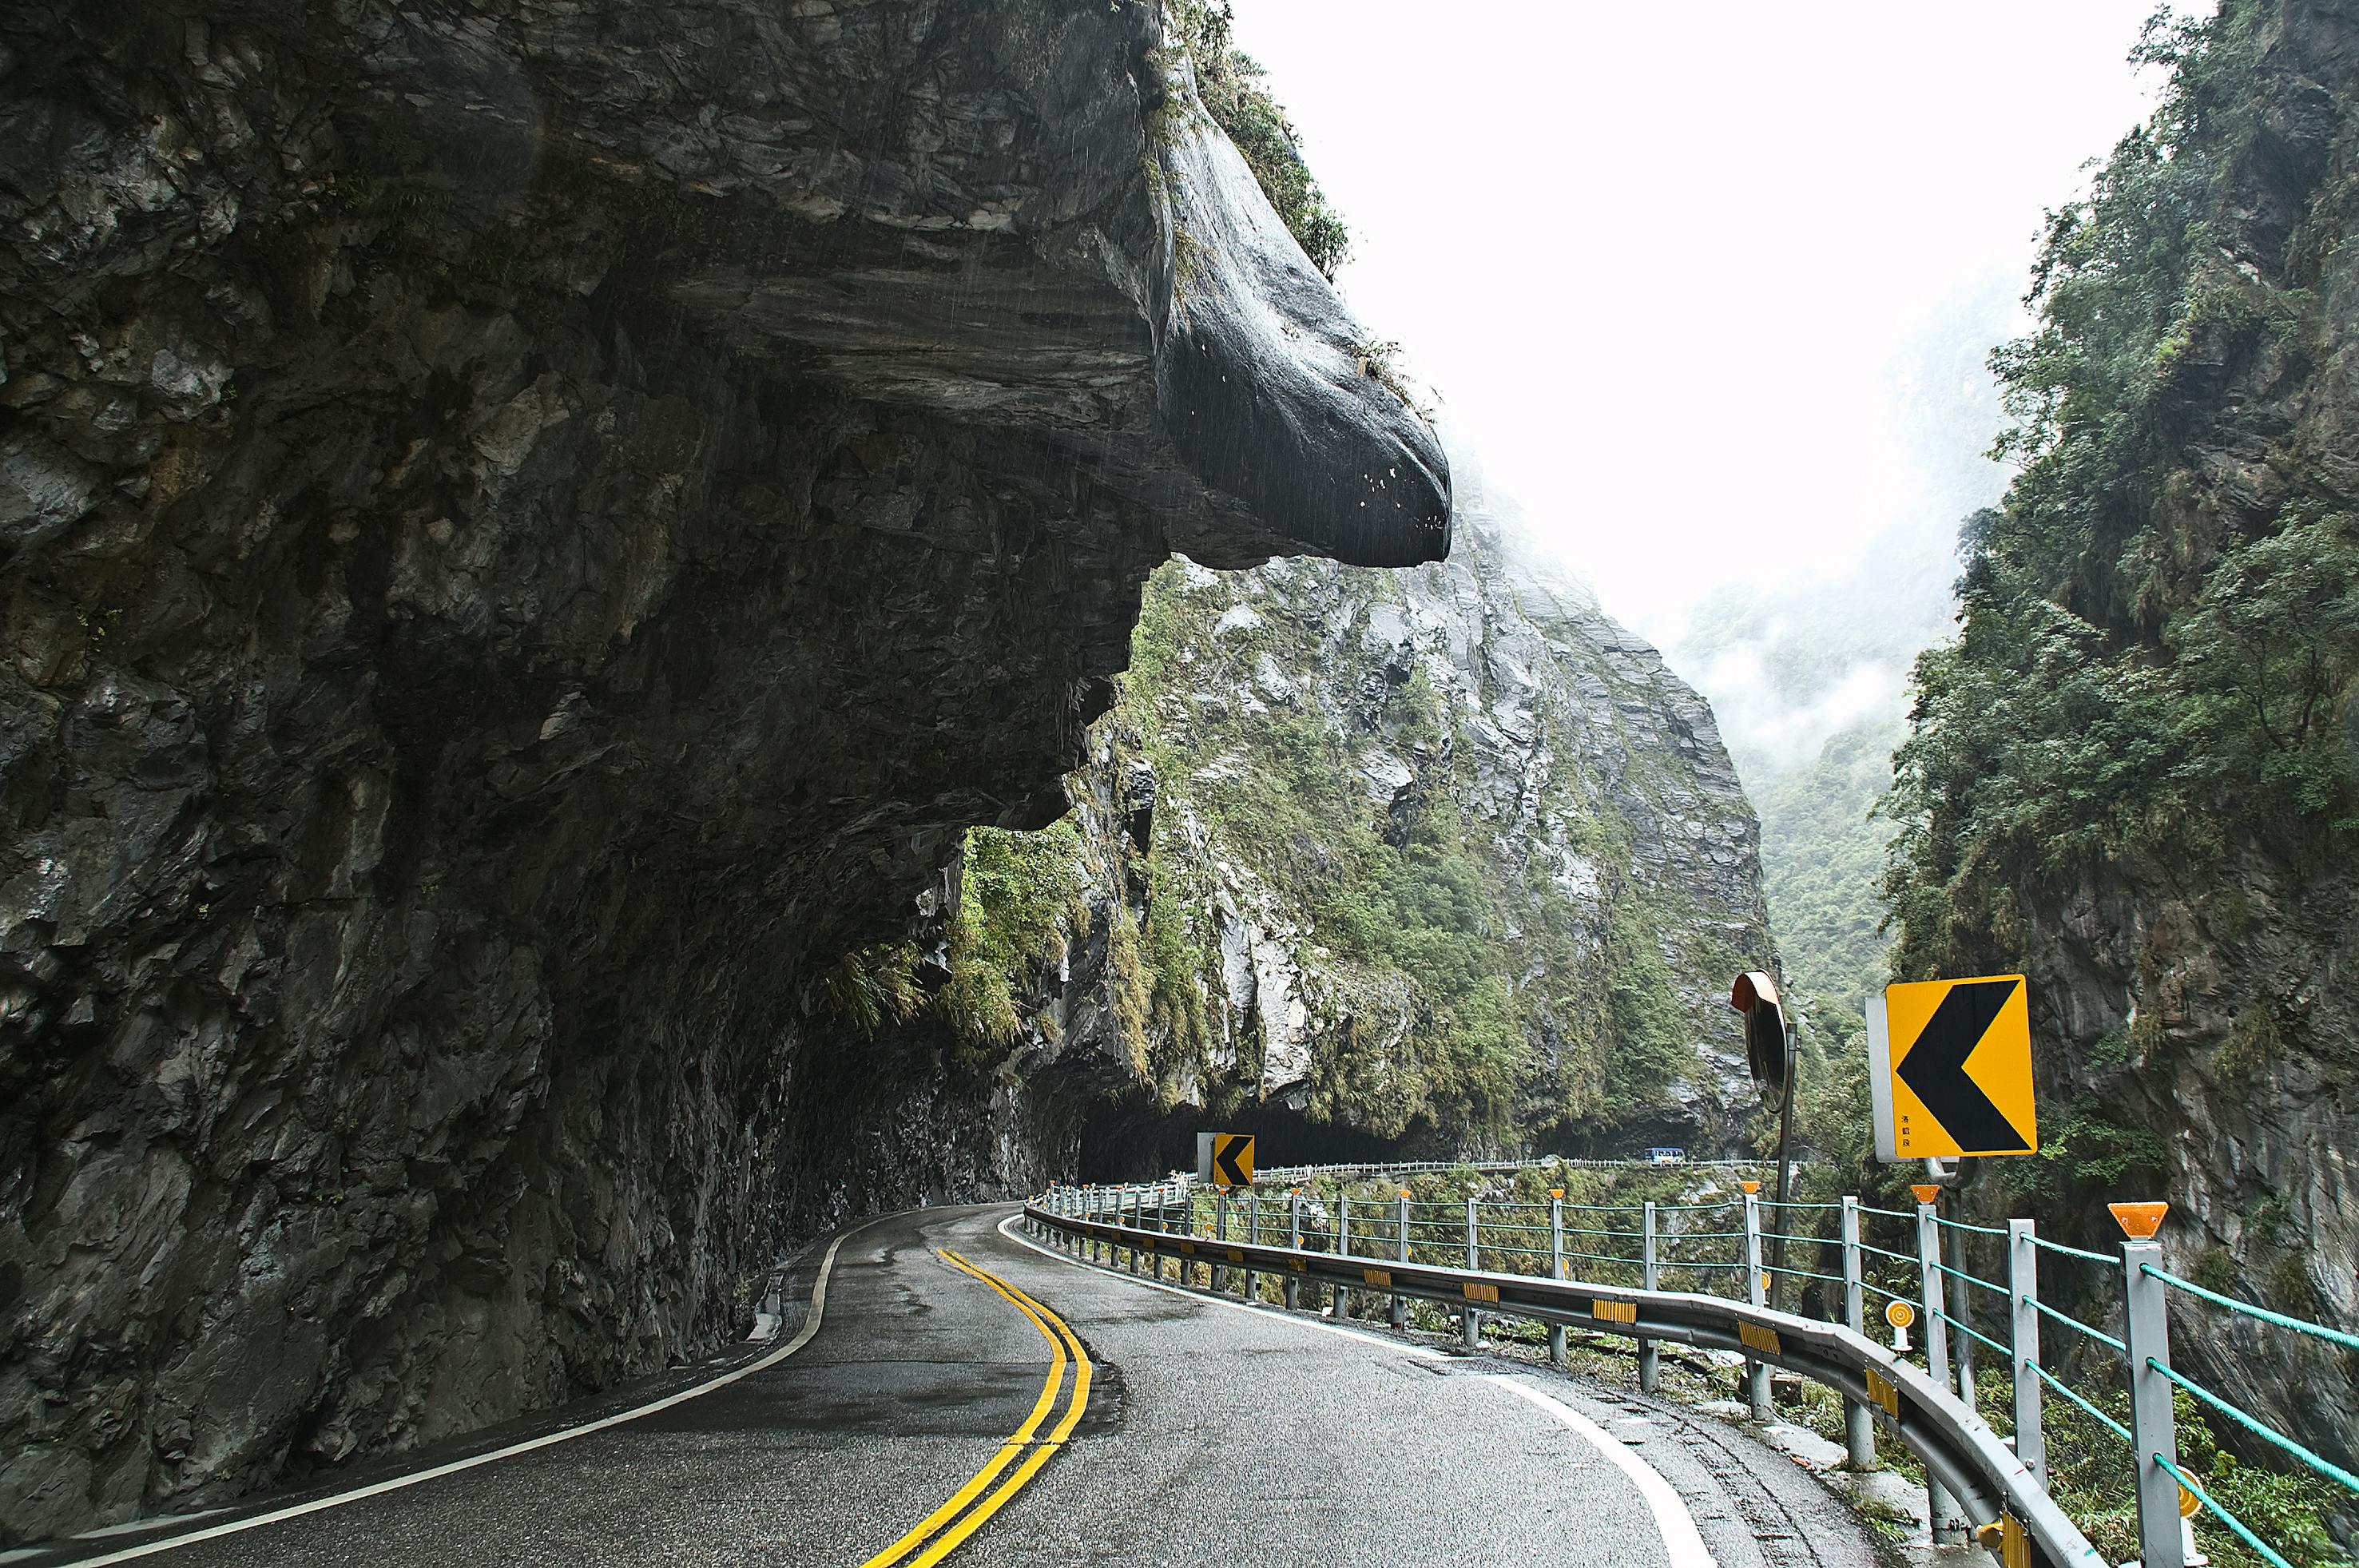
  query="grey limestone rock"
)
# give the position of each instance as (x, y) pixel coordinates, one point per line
(524, 525)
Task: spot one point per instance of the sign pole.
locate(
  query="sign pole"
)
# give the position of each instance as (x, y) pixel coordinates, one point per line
(1785, 1172)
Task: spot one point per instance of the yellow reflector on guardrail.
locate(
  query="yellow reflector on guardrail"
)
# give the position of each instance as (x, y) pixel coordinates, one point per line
(1376, 1276)
(1481, 1292)
(1763, 1340)
(1614, 1311)
(1884, 1392)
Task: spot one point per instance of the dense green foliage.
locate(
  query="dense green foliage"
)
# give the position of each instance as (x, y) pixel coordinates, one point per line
(1232, 87)
(1476, 996)
(2138, 669)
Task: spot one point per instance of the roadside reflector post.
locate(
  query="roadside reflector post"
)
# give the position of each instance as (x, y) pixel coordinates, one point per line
(1253, 1234)
(1400, 1232)
(2146, 1313)
(1556, 1268)
(1137, 1203)
(1650, 1359)
(1949, 1528)
(1756, 1372)
(1294, 1240)
(1470, 1319)
(1859, 1427)
(2023, 1342)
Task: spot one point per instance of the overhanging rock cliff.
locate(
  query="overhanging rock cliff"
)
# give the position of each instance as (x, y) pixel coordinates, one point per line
(524, 525)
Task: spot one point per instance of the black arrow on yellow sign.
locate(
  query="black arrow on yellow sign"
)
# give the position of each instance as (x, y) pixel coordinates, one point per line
(1935, 1068)
(1226, 1150)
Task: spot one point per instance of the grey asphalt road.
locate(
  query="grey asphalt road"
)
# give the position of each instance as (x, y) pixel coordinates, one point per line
(1214, 1435)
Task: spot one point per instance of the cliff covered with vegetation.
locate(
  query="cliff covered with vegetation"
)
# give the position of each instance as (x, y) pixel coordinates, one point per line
(1441, 858)
(2134, 776)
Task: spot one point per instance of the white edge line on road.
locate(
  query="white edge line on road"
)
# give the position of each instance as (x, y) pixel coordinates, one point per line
(1681, 1541)
(1405, 1348)
(809, 1330)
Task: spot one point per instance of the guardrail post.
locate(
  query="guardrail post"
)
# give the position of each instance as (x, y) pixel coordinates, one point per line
(1220, 1233)
(1756, 1373)
(1556, 1268)
(2023, 1292)
(1859, 1427)
(1650, 1359)
(1253, 1234)
(1963, 1352)
(1342, 1239)
(2152, 1429)
(1470, 1319)
(1400, 1230)
(1294, 1240)
(1949, 1528)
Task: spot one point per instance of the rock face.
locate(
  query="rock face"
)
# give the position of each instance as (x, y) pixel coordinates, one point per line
(2135, 774)
(523, 526)
(1439, 857)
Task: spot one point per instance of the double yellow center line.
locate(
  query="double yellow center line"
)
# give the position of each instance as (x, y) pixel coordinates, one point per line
(941, 1532)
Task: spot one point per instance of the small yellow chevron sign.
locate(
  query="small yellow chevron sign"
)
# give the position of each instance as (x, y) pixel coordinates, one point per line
(1376, 1276)
(1882, 1389)
(1614, 1311)
(1224, 1160)
(1763, 1340)
(1950, 1069)
(1480, 1293)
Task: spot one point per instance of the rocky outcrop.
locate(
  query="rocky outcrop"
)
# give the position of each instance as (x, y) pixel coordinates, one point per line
(524, 526)
(2134, 777)
(1441, 858)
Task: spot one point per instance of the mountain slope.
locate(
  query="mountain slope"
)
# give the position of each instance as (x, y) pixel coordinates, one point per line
(2134, 776)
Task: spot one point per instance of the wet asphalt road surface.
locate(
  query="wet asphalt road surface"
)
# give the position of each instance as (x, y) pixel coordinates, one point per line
(1214, 1435)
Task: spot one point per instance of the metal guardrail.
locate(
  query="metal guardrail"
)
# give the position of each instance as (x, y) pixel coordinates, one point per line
(1983, 1478)
(1724, 1243)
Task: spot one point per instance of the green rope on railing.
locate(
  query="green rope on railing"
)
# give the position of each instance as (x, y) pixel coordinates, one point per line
(1887, 1213)
(1908, 1258)
(1972, 1279)
(1968, 1329)
(1962, 1224)
(2046, 1246)
(2110, 1424)
(2323, 1465)
(1873, 1288)
(1800, 1240)
(1802, 1273)
(2244, 1532)
(2299, 1325)
(2099, 1336)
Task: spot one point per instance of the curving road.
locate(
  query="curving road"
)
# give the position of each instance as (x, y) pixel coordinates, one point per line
(1210, 1434)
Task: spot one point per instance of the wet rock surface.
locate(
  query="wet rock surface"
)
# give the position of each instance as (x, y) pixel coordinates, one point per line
(524, 526)
(1478, 735)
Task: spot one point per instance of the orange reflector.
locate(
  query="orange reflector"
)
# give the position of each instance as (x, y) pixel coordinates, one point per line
(2139, 1220)
(1556, 1192)
(2189, 1504)
(1750, 1186)
(1925, 1192)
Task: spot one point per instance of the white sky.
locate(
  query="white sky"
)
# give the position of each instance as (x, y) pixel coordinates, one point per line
(1663, 264)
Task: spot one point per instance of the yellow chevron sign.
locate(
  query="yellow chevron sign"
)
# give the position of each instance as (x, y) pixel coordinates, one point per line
(1950, 1069)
